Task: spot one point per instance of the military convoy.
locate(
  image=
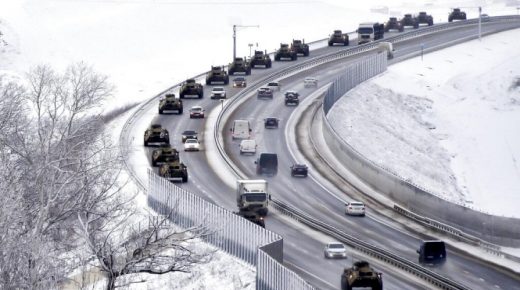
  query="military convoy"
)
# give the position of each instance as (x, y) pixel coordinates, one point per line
(170, 103)
(217, 75)
(424, 18)
(261, 59)
(393, 24)
(156, 135)
(191, 88)
(338, 37)
(173, 169)
(456, 14)
(285, 53)
(239, 65)
(164, 153)
(361, 275)
(300, 47)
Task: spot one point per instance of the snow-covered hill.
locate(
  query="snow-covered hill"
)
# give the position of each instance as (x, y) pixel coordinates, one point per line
(449, 123)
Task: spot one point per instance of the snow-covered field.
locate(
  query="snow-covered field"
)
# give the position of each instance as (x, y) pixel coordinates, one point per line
(449, 123)
(145, 46)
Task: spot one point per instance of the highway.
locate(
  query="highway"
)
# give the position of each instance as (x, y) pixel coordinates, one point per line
(303, 250)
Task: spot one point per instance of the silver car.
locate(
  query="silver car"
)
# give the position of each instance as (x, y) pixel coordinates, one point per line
(355, 208)
(335, 250)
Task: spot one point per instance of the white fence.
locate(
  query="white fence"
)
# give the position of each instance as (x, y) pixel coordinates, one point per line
(227, 231)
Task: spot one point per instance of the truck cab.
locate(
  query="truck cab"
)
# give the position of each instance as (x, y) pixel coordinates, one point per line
(252, 195)
(370, 31)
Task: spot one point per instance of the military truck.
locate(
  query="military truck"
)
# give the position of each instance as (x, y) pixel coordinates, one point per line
(239, 65)
(456, 14)
(338, 37)
(164, 153)
(370, 31)
(170, 103)
(217, 75)
(173, 170)
(424, 18)
(285, 53)
(300, 47)
(252, 216)
(261, 59)
(252, 195)
(292, 98)
(191, 88)
(393, 24)
(361, 275)
(156, 135)
(409, 20)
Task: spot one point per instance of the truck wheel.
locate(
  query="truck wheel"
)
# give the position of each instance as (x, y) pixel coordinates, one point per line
(160, 112)
(145, 143)
(269, 65)
(154, 164)
(276, 57)
(330, 43)
(185, 178)
(180, 111)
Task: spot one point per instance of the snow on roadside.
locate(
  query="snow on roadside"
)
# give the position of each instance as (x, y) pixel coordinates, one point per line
(449, 123)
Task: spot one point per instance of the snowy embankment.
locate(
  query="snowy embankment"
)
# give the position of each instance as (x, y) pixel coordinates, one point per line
(449, 123)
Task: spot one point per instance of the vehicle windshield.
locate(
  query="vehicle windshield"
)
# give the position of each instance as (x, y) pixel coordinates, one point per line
(191, 141)
(196, 109)
(218, 89)
(336, 246)
(256, 197)
(365, 30)
(435, 249)
(356, 204)
(190, 133)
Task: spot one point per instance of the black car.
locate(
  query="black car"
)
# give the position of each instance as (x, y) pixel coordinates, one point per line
(271, 123)
(299, 170)
(432, 252)
(189, 134)
(267, 164)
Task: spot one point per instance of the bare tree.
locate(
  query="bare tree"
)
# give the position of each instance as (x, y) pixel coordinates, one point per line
(60, 186)
(124, 246)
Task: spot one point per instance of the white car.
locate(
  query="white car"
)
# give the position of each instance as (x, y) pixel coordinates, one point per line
(335, 250)
(310, 82)
(248, 146)
(218, 93)
(191, 145)
(275, 86)
(355, 208)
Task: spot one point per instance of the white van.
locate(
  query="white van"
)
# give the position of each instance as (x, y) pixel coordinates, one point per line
(241, 129)
(248, 146)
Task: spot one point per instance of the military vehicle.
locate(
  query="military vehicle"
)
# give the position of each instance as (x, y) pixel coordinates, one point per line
(285, 53)
(300, 47)
(457, 14)
(261, 59)
(338, 37)
(166, 152)
(252, 216)
(170, 103)
(239, 65)
(157, 135)
(217, 75)
(292, 98)
(424, 18)
(191, 88)
(409, 20)
(393, 24)
(174, 170)
(361, 275)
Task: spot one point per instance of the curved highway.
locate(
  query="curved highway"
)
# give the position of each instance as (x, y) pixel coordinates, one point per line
(303, 249)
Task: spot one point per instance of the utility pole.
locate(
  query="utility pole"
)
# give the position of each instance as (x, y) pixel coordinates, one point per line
(480, 23)
(235, 37)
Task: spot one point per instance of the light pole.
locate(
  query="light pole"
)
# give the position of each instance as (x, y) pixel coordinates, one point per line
(222, 104)
(250, 46)
(480, 23)
(235, 37)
